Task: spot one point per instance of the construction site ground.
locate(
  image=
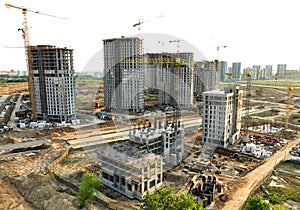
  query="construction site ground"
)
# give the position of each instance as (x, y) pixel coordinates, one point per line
(283, 186)
(26, 171)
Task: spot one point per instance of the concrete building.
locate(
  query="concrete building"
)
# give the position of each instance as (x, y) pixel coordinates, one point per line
(123, 74)
(166, 140)
(130, 170)
(152, 70)
(246, 71)
(221, 117)
(172, 75)
(222, 71)
(135, 166)
(281, 70)
(269, 71)
(53, 82)
(206, 78)
(236, 70)
(256, 72)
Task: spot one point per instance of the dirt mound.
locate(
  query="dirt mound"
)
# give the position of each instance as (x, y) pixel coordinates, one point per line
(11, 199)
(44, 192)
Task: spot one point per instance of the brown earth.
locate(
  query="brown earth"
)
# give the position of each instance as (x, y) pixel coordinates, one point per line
(10, 198)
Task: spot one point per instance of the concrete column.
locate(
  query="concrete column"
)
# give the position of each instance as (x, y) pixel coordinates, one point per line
(148, 183)
(142, 184)
(156, 172)
(161, 170)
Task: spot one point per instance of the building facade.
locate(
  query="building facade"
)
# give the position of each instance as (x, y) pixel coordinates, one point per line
(221, 117)
(123, 74)
(172, 75)
(129, 170)
(269, 71)
(281, 70)
(222, 70)
(236, 70)
(53, 83)
(256, 73)
(206, 78)
(136, 166)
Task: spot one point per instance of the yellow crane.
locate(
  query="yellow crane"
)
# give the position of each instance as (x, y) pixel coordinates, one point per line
(288, 105)
(25, 34)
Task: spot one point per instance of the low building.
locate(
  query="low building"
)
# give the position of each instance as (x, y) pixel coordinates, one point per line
(130, 170)
(136, 166)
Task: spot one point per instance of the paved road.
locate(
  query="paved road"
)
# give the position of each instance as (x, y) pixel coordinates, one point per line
(255, 177)
(122, 133)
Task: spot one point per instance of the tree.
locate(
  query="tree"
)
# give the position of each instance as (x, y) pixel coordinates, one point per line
(166, 200)
(88, 188)
(256, 203)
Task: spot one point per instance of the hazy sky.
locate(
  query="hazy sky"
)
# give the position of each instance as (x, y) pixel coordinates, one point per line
(257, 32)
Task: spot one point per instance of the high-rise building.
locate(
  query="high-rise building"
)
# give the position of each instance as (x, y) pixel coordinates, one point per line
(236, 70)
(281, 70)
(221, 117)
(174, 77)
(256, 72)
(53, 83)
(152, 72)
(205, 78)
(123, 74)
(269, 73)
(222, 70)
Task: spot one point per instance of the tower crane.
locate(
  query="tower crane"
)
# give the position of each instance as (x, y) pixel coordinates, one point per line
(138, 24)
(25, 35)
(218, 47)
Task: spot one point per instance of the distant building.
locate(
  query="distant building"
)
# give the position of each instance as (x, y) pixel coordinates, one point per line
(9, 73)
(221, 117)
(53, 82)
(123, 74)
(22, 73)
(256, 73)
(206, 78)
(236, 70)
(246, 71)
(269, 72)
(222, 70)
(152, 72)
(281, 70)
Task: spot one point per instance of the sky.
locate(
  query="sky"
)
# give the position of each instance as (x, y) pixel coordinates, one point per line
(256, 32)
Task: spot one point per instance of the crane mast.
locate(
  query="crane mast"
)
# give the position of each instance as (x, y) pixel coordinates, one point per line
(26, 38)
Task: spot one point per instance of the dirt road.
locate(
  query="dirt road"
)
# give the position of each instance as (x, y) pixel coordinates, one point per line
(253, 179)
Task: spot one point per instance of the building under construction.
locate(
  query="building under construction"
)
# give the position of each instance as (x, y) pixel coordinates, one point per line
(135, 166)
(206, 78)
(221, 117)
(172, 75)
(123, 74)
(53, 83)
